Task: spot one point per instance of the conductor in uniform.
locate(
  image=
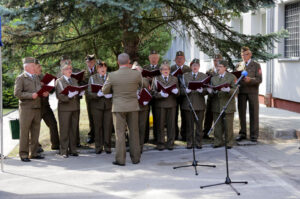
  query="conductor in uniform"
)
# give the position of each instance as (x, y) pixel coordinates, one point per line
(249, 93)
(26, 87)
(123, 84)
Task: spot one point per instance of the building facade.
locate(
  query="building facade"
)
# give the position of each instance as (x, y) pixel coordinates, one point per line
(281, 85)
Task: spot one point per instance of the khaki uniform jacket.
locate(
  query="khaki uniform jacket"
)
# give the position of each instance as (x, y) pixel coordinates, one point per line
(197, 99)
(254, 72)
(123, 84)
(185, 69)
(97, 102)
(64, 102)
(148, 67)
(170, 101)
(211, 72)
(25, 86)
(220, 98)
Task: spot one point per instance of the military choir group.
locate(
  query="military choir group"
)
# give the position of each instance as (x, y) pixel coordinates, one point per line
(115, 105)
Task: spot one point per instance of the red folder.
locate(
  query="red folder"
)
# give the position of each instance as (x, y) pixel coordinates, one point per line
(218, 87)
(237, 73)
(48, 78)
(96, 87)
(194, 85)
(145, 96)
(78, 76)
(167, 89)
(177, 72)
(148, 73)
(73, 89)
(44, 88)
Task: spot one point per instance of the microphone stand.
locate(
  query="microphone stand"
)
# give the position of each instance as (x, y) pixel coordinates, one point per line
(222, 115)
(195, 162)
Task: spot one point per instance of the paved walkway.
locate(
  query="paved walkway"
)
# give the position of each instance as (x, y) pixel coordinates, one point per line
(272, 172)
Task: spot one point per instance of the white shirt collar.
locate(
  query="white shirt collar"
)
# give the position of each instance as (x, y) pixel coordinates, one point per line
(164, 77)
(223, 75)
(195, 73)
(179, 66)
(67, 78)
(102, 76)
(29, 74)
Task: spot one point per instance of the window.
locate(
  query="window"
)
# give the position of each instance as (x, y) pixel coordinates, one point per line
(291, 44)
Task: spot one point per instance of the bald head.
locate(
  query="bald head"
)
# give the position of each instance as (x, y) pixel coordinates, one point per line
(123, 59)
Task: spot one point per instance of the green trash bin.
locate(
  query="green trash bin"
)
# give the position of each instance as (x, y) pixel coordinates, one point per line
(15, 129)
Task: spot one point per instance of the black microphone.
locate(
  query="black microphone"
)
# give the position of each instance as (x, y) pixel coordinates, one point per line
(244, 74)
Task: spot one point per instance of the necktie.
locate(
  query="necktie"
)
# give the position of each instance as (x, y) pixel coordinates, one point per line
(70, 81)
(166, 79)
(153, 66)
(194, 76)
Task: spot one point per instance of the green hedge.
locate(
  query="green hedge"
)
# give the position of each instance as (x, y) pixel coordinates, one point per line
(9, 100)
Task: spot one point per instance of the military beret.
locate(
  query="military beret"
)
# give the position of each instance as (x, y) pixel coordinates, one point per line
(28, 60)
(152, 52)
(64, 57)
(218, 56)
(179, 53)
(223, 62)
(90, 57)
(244, 49)
(37, 61)
(197, 61)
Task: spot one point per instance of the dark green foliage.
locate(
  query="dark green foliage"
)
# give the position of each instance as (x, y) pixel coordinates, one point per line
(9, 100)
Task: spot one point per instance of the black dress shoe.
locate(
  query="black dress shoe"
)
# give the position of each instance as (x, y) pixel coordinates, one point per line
(240, 138)
(205, 136)
(199, 147)
(98, 152)
(55, 148)
(74, 154)
(90, 140)
(189, 147)
(25, 160)
(116, 163)
(170, 148)
(108, 151)
(37, 157)
(79, 145)
(216, 146)
(40, 150)
(229, 147)
(253, 140)
(136, 162)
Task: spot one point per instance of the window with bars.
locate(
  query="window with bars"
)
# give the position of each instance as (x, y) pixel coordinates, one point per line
(292, 25)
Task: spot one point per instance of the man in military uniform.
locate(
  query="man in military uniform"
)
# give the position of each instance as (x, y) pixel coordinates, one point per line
(144, 110)
(101, 109)
(180, 60)
(47, 113)
(123, 84)
(165, 105)
(219, 100)
(249, 92)
(90, 61)
(153, 59)
(208, 114)
(198, 102)
(26, 87)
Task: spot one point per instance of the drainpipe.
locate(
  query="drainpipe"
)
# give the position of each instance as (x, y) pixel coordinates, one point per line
(270, 63)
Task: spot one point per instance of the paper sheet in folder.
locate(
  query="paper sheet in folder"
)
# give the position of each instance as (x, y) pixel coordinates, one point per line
(194, 85)
(73, 89)
(145, 96)
(167, 89)
(96, 87)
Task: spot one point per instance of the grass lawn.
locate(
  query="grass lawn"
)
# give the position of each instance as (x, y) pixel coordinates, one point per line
(8, 110)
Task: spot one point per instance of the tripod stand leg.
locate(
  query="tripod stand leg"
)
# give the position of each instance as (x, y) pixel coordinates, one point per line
(238, 193)
(211, 185)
